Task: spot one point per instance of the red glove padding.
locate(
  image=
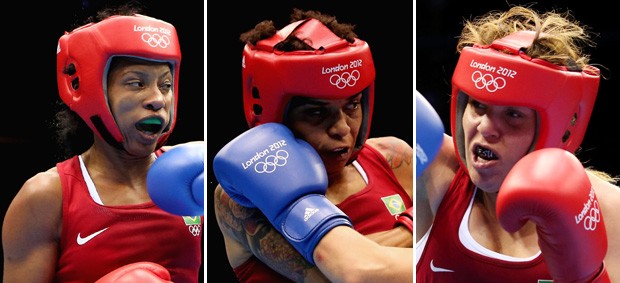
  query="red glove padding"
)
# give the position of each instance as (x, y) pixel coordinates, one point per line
(551, 188)
(147, 272)
(405, 219)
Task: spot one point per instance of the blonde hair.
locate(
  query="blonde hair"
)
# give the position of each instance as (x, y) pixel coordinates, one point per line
(560, 39)
(604, 176)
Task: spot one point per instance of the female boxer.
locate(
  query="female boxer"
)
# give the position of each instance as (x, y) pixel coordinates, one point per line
(316, 77)
(90, 217)
(506, 198)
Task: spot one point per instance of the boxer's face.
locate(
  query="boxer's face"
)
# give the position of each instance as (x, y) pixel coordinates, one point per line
(140, 97)
(329, 125)
(496, 137)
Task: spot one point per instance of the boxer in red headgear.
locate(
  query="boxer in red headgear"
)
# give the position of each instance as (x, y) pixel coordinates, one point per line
(317, 78)
(90, 218)
(506, 199)
(85, 56)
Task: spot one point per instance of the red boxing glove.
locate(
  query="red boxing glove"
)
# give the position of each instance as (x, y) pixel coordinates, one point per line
(147, 272)
(551, 188)
(405, 219)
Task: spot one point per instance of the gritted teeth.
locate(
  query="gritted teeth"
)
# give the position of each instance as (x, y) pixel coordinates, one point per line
(484, 153)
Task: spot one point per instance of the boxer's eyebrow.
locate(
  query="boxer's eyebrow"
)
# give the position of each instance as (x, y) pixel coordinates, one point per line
(307, 100)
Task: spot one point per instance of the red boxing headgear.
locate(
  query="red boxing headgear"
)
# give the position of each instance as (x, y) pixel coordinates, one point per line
(335, 69)
(501, 74)
(88, 51)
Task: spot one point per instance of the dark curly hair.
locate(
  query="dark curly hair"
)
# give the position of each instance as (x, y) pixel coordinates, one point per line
(266, 29)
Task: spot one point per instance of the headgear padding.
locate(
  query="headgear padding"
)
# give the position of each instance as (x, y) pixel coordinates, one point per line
(335, 69)
(89, 49)
(501, 74)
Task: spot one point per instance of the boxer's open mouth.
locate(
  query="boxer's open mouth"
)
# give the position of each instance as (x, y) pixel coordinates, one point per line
(484, 153)
(150, 125)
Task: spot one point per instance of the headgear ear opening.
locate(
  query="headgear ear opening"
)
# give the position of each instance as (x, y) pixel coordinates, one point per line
(84, 54)
(334, 69)
(499, 75)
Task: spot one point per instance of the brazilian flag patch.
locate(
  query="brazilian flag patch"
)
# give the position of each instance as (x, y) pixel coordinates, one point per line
(394, 204)
(191, 220)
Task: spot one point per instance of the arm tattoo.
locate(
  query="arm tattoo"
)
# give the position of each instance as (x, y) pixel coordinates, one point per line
(397, 153)
(252, 229)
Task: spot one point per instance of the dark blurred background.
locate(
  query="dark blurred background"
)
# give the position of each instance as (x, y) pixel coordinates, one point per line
(438, 23)
(388, 29)
(26, 141)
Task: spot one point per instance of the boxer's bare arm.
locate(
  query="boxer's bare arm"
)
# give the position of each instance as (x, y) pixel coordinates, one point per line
(344, 255)
(432, 184)
(31, 229)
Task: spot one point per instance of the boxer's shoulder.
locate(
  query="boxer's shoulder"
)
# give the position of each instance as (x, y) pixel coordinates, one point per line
(390, 145)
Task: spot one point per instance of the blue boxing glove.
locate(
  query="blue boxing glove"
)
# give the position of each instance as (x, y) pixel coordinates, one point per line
(429, 133)
(175, 181)
(268, 168)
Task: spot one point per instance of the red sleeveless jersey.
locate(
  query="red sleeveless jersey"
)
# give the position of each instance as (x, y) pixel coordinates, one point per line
(372, 209)
(446, 259)
(97, 239)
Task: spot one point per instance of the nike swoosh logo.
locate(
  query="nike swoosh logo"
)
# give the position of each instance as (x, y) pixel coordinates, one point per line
(82, 241)
(439, 269)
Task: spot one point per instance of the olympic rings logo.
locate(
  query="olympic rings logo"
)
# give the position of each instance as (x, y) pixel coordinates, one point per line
(194, 230)
(346, 79)
(155, 40)
(594, 217)
(272, 162)
(487, 81)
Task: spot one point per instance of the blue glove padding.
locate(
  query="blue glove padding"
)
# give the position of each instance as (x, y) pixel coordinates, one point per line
(268, 168)
(175, 181)
(429, 133)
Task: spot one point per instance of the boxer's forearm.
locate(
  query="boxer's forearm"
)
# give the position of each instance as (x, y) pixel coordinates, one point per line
(344, 255)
